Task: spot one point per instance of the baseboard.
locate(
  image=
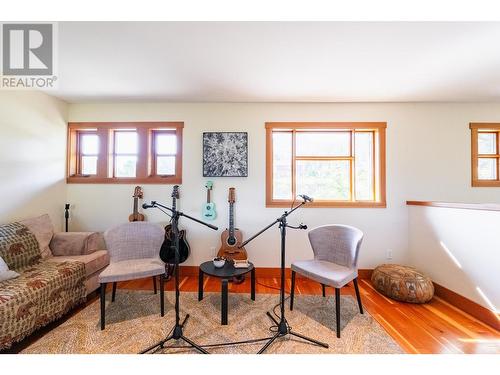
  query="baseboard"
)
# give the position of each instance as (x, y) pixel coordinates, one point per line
(470, 307)
(265, 272)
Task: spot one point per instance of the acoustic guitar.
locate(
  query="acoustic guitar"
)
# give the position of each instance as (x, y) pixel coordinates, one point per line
(167, 251)
(209, 212)
(232, 237)
(136, 216)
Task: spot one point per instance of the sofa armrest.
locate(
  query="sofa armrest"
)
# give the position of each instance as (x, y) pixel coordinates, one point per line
(76, 243)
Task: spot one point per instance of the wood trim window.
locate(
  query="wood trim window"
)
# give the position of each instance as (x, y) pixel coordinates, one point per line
(338, 164)
(125, 152)
(485, 155)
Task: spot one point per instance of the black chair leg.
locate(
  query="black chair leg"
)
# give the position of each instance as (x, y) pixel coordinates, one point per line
(103, 305)
(337, 310)
(355, 282)
(162, 295)
(292, 290)
(323, 288)
(154, 284)
(114, 293)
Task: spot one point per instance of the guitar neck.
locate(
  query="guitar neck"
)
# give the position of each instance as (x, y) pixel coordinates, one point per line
(231, 219)
(136, 204)
(208, 195)
(174, 203)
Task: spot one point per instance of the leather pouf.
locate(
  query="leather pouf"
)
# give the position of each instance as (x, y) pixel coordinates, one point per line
(402, 283)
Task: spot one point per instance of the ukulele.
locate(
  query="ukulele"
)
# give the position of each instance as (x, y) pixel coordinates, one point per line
(136, 216)
(167, 251)
(209, 207)
(232, 237)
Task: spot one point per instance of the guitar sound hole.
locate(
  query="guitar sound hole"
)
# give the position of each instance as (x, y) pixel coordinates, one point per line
(231, 241)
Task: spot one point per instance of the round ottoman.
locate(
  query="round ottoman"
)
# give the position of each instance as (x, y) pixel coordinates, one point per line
(402, 283)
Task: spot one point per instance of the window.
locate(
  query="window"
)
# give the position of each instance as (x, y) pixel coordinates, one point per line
(485, 155)
(125, 152)
(338, 164)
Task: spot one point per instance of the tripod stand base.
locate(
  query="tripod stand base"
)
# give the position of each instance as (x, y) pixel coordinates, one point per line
(176, 335)
(283, 330)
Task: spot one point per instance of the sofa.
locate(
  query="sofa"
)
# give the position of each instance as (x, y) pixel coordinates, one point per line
(56, 273)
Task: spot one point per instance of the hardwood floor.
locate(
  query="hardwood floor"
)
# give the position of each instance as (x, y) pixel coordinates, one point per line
(435, 327)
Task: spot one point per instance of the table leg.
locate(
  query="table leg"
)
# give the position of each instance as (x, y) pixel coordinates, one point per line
(252, 281)
(224, 301)
(200, 285)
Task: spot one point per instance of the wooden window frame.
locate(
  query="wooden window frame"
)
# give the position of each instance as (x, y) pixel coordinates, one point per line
(154, 160)
(477, 128)
(145, 174)
(379, 155)
(80, 153)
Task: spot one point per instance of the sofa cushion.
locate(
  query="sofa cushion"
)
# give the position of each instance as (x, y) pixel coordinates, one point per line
(76, 243)
(93, 262)
(43, 230)
(18, 246)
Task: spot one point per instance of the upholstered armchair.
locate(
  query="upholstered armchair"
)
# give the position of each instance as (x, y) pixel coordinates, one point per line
(134, 254)
(335, 263)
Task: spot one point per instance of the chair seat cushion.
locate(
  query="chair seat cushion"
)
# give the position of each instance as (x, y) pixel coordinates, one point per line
(325, 272)
(402, 283)
(132, 269)
(93, 262)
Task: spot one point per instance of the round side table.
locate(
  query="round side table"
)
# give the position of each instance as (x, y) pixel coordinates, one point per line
(225, 274)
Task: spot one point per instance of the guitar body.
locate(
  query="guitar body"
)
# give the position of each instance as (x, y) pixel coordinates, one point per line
(136, 217)
(209, 211)
(229, 246)
(167, 251)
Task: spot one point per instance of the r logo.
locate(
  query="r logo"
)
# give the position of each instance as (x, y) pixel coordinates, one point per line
(27, 49)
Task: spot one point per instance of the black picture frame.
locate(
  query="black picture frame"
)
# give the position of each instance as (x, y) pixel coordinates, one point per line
(225, 154)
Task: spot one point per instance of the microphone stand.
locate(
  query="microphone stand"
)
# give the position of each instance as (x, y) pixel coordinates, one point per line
(283, 328)
(176, 332)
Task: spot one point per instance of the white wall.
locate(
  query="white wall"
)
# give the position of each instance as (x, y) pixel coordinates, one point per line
(428, 158)
(458, 249)
(32, 156)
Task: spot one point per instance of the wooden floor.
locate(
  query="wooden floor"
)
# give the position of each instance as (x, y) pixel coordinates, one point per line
(435, 327)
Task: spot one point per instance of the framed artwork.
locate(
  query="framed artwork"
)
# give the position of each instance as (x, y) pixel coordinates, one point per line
(225, 154)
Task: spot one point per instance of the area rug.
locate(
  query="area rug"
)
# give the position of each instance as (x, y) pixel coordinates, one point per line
(133, 323)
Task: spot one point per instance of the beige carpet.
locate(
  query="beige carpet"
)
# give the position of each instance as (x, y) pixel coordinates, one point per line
(133, 323)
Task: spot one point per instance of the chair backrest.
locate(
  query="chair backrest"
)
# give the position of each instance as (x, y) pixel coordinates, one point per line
(337, 244)
(136, 240)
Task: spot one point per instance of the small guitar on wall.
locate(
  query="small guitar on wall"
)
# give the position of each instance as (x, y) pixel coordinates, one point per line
(136, 216)
(209, 212)
(232, 237)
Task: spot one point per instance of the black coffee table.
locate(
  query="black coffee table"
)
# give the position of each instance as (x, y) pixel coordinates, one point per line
(225, 274)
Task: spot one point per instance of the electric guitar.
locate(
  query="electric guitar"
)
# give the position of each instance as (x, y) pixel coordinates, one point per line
(209, 207)
(167, 251)
(136, 216)
(232, 237)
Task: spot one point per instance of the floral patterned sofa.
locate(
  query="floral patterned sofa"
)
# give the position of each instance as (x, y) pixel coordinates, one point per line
(57, 272)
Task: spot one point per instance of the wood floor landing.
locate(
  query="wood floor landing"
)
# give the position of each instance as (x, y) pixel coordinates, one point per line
(435, 327)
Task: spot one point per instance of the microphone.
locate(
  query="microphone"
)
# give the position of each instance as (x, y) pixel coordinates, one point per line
(302, 226)
(306, 198)
(146, 206)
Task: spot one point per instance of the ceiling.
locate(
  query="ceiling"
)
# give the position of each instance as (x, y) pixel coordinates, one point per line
(278, 61)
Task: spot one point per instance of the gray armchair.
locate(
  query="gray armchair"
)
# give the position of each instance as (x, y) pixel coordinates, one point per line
(336, 249)
(134, 254)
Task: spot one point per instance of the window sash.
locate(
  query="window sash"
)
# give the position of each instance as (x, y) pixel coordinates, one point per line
(484, 128)
(377, 159)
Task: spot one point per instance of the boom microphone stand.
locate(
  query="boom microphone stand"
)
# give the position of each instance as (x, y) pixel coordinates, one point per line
(176, 332)
(283, 328)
